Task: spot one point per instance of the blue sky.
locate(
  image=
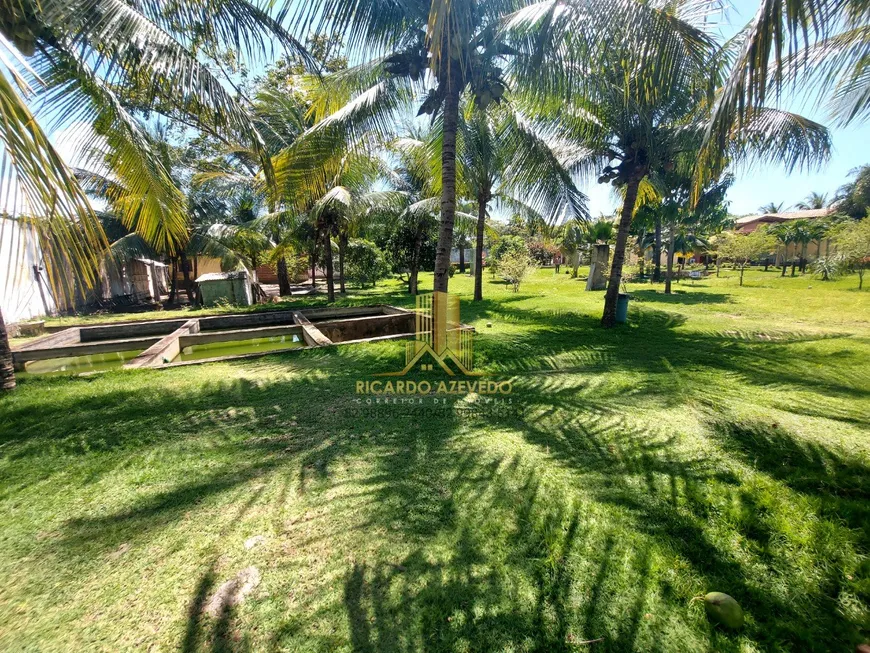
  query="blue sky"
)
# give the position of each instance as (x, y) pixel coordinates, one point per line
(763, 184)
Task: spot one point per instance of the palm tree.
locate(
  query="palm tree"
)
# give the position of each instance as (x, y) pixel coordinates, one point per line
(599, 232)
(502, 157)
(432, 47)
(819, 45)
(785, 236)
(853, 198)
(803, 234)
(660, 129)
(771, 207)
(87, 62)
(813, 201)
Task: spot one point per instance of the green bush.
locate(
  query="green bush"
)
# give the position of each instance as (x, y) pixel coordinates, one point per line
(365, 262)
(506, 246)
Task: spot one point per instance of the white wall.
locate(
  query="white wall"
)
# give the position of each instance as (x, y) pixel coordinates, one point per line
(19, 293)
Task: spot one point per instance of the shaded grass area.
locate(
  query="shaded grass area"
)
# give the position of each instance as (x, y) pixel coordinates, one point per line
(687, 452)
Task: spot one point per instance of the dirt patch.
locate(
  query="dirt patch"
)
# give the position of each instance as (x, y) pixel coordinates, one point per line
(233, 592)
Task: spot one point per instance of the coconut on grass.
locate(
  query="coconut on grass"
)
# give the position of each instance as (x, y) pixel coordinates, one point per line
(723, 609)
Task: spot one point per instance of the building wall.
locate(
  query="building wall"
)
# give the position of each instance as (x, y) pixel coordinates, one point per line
(20, 297)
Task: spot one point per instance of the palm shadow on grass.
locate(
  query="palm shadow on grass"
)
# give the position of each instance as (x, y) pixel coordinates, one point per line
(497, 556)
(681, 297)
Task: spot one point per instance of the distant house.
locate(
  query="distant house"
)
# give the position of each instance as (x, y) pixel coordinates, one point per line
(750, 223)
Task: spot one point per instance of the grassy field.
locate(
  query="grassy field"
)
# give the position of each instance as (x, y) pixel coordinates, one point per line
(719, 441)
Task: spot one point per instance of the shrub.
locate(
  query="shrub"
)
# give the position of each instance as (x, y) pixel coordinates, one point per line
(514, 267)
(365, 262)
(506, 245)
(542, 252)
(828, 267)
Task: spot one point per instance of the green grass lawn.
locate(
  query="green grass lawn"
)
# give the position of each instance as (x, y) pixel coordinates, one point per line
(719, 441)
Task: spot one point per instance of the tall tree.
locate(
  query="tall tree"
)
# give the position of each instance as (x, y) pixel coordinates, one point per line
(771, 207)
(81, 61)
(646, 109)
(813, 201)
(504, 158)
(432, 47)
(853, 197)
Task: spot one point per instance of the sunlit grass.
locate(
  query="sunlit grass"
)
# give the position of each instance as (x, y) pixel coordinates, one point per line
(719, 441)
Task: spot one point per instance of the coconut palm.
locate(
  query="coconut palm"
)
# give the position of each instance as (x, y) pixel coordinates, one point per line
(502, 157)
(812, 201)
(434, 47)
(771, 207)
(853, 198)
(647, 111)
(86, 62)
(785, 236)
(814, 44)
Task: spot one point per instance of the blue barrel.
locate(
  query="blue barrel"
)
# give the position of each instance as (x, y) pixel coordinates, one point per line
(622, 308)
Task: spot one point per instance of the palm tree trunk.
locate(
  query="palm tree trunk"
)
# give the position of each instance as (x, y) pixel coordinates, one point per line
(415, 260)
(657, 251)
(314, 258)
(173, 282)
(612, 295)
(669, 273)
(342, 250)
(448, 181)
(327, 254)
(283, 277)
(478, 247)
(7, 371)
(185, 270)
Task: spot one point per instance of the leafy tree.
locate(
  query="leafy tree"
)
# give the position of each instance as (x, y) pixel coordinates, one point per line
(785, 235)
(817, 45)
(507, 245)
(365, 262)
(642, 111)
(438, 47)
(853, 244)
(515, 266)
(853, 198)
(742, 249)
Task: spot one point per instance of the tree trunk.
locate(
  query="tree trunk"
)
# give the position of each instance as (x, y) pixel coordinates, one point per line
(342, 251)
(657, 251)
(314, 259)
(612, 295)
(669, 273)
(7, 371)
(283, 277)
(415, 260)
(742, 268)
(478, 246)
(185, 270)
(462, 256)
(448, 180)
(173, 282)
(327, 254)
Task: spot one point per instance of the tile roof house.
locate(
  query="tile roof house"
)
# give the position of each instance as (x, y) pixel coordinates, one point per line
(750, 223)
